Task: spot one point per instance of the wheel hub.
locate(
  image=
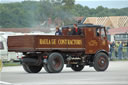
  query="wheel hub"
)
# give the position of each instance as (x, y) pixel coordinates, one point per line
(101, 61)
(56, 62)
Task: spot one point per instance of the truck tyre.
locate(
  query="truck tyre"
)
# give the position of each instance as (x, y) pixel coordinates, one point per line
(26, 68)
(46, 68)
(55, 63)
(76, 67)
(31, 69)
(101, 62)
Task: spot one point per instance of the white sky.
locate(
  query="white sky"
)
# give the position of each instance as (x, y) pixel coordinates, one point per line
(94, 3)
(104, 3)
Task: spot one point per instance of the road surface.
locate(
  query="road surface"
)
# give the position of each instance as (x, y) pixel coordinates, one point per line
(116, 74)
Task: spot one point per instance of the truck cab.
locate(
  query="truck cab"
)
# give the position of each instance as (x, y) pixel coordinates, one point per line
(95, 37)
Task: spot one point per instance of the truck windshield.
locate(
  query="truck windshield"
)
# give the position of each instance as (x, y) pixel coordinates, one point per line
(103, 32)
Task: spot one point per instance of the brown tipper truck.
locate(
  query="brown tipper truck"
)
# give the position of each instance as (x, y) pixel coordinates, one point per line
(52, 52)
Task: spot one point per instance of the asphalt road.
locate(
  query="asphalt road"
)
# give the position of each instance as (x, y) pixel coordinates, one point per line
(116, 74)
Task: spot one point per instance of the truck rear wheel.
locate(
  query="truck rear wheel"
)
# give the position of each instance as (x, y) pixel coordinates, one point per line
(101, 62)
(31, 69)
(55, 63)
(76, 67)
(46, 68)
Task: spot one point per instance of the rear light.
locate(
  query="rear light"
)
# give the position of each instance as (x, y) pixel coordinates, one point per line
(45, 57)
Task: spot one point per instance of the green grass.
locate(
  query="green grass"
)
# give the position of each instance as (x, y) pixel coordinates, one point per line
(119, 60)
(11, 64)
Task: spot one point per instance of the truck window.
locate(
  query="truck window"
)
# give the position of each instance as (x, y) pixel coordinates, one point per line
(97, 32)
(1, 46)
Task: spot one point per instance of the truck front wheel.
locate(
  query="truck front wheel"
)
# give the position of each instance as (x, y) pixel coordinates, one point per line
(31, 69)
(76, 67)
(55, 63)
(101, 62)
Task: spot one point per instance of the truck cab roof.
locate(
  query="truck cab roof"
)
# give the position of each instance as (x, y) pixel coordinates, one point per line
(82, 26)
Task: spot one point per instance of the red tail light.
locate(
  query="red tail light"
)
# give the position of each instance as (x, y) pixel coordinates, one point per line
(45, 57)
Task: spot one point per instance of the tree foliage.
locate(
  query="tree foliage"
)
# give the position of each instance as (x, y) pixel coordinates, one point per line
(33, 13)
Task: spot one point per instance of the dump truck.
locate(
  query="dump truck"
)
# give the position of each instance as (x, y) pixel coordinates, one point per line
(52, 52)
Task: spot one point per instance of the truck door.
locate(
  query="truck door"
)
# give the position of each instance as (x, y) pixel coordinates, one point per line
(92, 39)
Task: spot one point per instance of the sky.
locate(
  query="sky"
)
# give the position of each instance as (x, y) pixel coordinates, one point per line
(104, 3)
(94, 3)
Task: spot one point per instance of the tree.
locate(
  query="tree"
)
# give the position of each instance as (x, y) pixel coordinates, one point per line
(68, 4)
(32, 13)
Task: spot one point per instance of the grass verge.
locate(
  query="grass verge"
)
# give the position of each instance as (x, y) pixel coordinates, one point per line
(119, 60)
(11, 64)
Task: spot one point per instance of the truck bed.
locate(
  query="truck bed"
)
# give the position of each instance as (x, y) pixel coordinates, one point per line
(32, 43)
